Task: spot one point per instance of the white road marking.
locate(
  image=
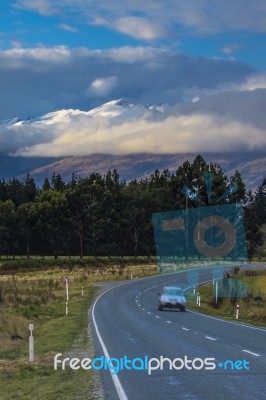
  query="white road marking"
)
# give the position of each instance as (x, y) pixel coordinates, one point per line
(250, 352)
(169, 322)
(149, 312)
(157, 316)
(120, 391)
(119, 388)
(228, 322)
(210, 338)
(185, 329)
(143, 309)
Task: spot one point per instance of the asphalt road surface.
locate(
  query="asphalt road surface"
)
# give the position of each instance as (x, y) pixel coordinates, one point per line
(126, 322)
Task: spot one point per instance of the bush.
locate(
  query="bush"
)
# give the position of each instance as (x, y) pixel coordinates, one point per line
(90, 262)
(2, 292)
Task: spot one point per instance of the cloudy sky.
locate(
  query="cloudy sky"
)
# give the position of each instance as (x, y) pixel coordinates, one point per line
(207, 58)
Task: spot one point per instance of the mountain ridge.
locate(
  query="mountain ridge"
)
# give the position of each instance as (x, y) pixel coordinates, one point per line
(111, 109)
(141, 165)
(252, 165)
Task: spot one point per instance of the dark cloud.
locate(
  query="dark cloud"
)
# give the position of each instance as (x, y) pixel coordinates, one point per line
(247, 107)
(35, 81)
(14, 138)
(221, 122)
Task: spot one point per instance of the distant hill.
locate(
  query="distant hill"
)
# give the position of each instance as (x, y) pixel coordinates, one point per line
(19, 166)
(251, 166)
(36, 130)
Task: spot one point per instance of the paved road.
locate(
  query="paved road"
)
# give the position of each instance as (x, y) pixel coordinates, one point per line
(127, 323)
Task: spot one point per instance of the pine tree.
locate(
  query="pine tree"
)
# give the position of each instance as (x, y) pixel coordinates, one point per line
(46, 184)
(260, 203)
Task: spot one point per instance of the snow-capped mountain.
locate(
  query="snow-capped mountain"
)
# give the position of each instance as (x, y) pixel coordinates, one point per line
(106, 137)
(117, 110)
(11, 121)
(121, 109)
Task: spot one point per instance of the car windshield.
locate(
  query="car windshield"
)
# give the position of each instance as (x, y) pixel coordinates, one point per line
(172, 292)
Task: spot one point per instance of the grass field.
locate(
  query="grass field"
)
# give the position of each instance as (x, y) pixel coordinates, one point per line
(42, 302)
(39, 297)
(252, 307)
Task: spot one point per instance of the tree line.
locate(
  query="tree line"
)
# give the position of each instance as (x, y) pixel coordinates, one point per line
(104, 215)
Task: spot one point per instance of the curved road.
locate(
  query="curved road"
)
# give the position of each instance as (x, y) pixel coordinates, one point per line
(126, 322)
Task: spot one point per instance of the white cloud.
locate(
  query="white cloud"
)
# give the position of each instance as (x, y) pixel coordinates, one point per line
(256, 81)
(229, 121)
(154, 18)
(130, 55)
(68, 28)
(138, 27)
(101, 87)
(231, 48)
(183, 133)
(18, 57)
(43, 7)
(17, 44)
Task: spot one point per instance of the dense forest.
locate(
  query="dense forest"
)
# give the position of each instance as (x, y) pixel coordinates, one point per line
(103, 215)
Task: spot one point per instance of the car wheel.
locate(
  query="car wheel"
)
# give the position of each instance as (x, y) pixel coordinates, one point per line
(160, 307)
(183, 309)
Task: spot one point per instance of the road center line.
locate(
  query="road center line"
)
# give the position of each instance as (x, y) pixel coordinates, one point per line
(185, 329)
(169, 322)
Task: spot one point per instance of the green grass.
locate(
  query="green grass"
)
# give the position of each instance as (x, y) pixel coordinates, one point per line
(8, 263)
(42, 383)
(55, 332)
(251, 311)
(38, 296)
(256, 284)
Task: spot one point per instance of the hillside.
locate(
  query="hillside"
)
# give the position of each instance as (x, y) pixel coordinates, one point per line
(251, 166)
(81, 142)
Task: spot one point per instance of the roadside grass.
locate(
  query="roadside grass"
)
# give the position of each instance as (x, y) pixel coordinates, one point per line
(39, 297)
(42, 302)
(42, 383)
(108, 273)
(91, 259)
(95, 267)
(8, 264)
(252, 308)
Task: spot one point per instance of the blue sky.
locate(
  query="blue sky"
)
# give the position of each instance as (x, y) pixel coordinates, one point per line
(31, 23)
(197, 55)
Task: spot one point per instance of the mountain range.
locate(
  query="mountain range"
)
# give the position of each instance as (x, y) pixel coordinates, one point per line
(118, 110)
(252, 165)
